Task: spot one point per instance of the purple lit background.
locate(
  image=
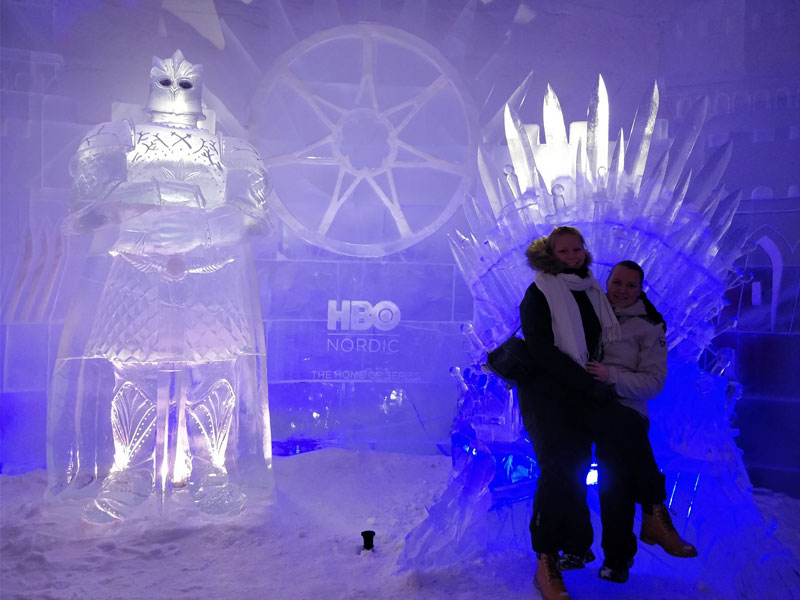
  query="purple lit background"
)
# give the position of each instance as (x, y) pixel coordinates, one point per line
(67, 66)
(64, 65)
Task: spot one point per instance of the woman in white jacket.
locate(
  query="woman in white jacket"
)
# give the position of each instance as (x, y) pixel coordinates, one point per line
(636, 366)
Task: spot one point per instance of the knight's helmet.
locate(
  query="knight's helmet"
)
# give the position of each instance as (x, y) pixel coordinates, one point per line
(176, 88)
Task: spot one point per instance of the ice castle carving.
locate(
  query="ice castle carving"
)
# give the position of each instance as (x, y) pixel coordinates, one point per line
(672, 219)
(637, 198)
(160, 382)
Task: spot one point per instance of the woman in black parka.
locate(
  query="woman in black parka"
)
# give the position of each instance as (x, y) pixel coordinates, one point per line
(565, 319)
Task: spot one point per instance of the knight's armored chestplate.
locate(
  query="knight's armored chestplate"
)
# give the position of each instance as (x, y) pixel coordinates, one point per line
(162, 304)
(178, 155)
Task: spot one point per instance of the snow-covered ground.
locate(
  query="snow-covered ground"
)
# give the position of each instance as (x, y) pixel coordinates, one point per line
(305, 544)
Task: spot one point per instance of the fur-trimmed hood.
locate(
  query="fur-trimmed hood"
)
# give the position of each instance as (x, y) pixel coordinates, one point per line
(540, 259)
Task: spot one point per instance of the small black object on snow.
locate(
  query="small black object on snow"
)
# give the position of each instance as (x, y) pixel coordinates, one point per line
(368, 536)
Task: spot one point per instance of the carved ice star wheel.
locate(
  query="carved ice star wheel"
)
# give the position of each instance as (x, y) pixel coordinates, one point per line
(368, 137)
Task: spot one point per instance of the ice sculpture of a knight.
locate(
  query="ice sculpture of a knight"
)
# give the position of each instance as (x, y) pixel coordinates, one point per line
(160, 381)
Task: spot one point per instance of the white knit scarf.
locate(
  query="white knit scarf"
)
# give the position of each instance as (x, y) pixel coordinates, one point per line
(566, 316)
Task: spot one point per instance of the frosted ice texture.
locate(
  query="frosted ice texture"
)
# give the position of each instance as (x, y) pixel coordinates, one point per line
(160, 382)
(374, 154)
(675, 222)
(671, 218)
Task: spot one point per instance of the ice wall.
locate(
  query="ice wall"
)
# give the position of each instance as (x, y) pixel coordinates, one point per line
(283, 76)
(66, 66)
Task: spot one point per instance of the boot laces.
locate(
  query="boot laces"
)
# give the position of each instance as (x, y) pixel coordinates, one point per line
(664, 517)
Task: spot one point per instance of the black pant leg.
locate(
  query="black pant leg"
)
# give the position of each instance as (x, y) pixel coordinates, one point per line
(616, 484)
(650, 482)
(627, 474)
(562, 445)
(576, 522)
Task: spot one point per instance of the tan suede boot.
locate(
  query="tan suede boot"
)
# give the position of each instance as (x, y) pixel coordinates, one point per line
(657, 528)
(548, 578)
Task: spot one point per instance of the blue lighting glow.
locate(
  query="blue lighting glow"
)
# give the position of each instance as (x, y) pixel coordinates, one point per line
(591, 476)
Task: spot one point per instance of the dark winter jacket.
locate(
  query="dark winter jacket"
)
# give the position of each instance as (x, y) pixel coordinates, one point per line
(553, 373)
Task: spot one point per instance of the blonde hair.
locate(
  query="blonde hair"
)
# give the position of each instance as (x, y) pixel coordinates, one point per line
(559, 232)
(541, 251)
